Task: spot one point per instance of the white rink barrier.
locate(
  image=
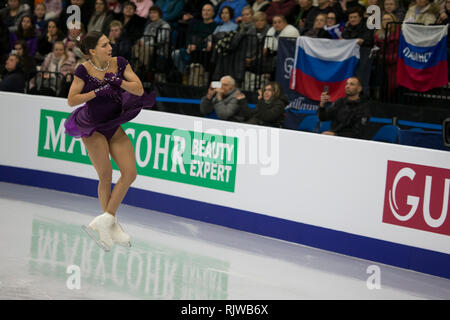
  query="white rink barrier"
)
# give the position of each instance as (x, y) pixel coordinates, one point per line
(377, 201)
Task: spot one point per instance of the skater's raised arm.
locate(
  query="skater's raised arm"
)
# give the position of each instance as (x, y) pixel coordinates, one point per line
(131, 82)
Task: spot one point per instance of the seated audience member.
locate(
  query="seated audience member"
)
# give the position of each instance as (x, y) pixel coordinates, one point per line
(121, 45)
(236, 5)
(172, 10)
(333, 27)
(143, 7)
(59, 60)
(53, 9)
(299, 13)
(261, 25)
(318, 30)
(133, 25)
(28, 63)
(101, 18)
(348, 115)
(444, 17)
(198, 40)
(193, 10)
(226, 17)
(114, 6)
(269, 110)
(387, 53)
(13, 13)
(154, 47)
(280, 28)
(357, 29)
(349, 4)
(324, 6)
(27, 32)
(423, 11)
(39, 18)
(221, 100)
(392, 6)
(13, 78)
(279, 7)
(260, 5)
(53, 34)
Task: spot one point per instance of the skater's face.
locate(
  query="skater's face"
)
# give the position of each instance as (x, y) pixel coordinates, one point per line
(103, 50)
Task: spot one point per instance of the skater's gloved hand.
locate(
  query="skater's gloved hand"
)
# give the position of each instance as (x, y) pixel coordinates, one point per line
(105, 91)
(113, 79)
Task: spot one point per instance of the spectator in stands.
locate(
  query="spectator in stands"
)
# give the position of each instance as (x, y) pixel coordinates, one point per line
(334, 27)
(226, 17)
(323, 7)
(153, 48)
(143, 7)
(279, 7)
(221, 100)
(193, 10)
(53, 34)
(348, 115)
(299, 13)
(198, 42)
(114, 6)
(236, 5)
(72, 42)
(86, 10)
(269, 110)
(280, 28)
(423, 11)
(387, 53)
(121, 45)
(133, 25)
(13, 13)
(28, 63)
(357, 29)
(172, 11)
(101, 18)
(261, 25)
(53, 9)
(445, 15)
(39, 18)
(349, 4)
(260, 5)
(27, 32)
(318, 30)
(392, 6)
(13, 78)
(60, 61)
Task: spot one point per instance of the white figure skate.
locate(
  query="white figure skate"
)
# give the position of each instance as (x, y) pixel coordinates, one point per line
(119, 236)
(100, 230)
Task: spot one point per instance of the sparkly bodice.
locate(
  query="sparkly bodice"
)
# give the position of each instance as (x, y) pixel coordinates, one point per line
(102, 109)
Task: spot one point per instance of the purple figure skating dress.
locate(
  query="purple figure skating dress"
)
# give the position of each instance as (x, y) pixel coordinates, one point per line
(105, 113)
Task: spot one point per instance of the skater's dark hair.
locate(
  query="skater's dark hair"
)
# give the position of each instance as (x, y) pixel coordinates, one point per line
(90, 41)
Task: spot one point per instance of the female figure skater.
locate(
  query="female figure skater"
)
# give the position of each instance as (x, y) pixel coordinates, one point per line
(113, 94)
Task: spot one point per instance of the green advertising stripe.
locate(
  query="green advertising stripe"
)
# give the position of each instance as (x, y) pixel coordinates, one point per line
(184, 156)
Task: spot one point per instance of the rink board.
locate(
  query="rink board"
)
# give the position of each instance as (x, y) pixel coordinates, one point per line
(376, 201)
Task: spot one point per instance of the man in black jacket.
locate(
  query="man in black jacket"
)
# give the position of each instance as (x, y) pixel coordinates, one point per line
(13, 79)
(348, 115)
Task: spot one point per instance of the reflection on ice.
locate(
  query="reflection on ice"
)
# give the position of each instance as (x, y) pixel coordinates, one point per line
(147, 270)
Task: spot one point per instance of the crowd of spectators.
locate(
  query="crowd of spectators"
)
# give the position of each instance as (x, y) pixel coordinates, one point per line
(217, 38)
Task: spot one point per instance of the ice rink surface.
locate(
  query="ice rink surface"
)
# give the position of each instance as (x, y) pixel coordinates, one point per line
(44, 254)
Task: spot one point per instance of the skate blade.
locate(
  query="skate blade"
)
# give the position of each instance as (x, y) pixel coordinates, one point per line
(91, 233)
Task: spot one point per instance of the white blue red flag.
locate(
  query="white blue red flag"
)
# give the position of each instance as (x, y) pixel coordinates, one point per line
(422, 57)
(323, 62)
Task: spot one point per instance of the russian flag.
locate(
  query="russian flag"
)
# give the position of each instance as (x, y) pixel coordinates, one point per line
(422, 57)
(323, 62)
